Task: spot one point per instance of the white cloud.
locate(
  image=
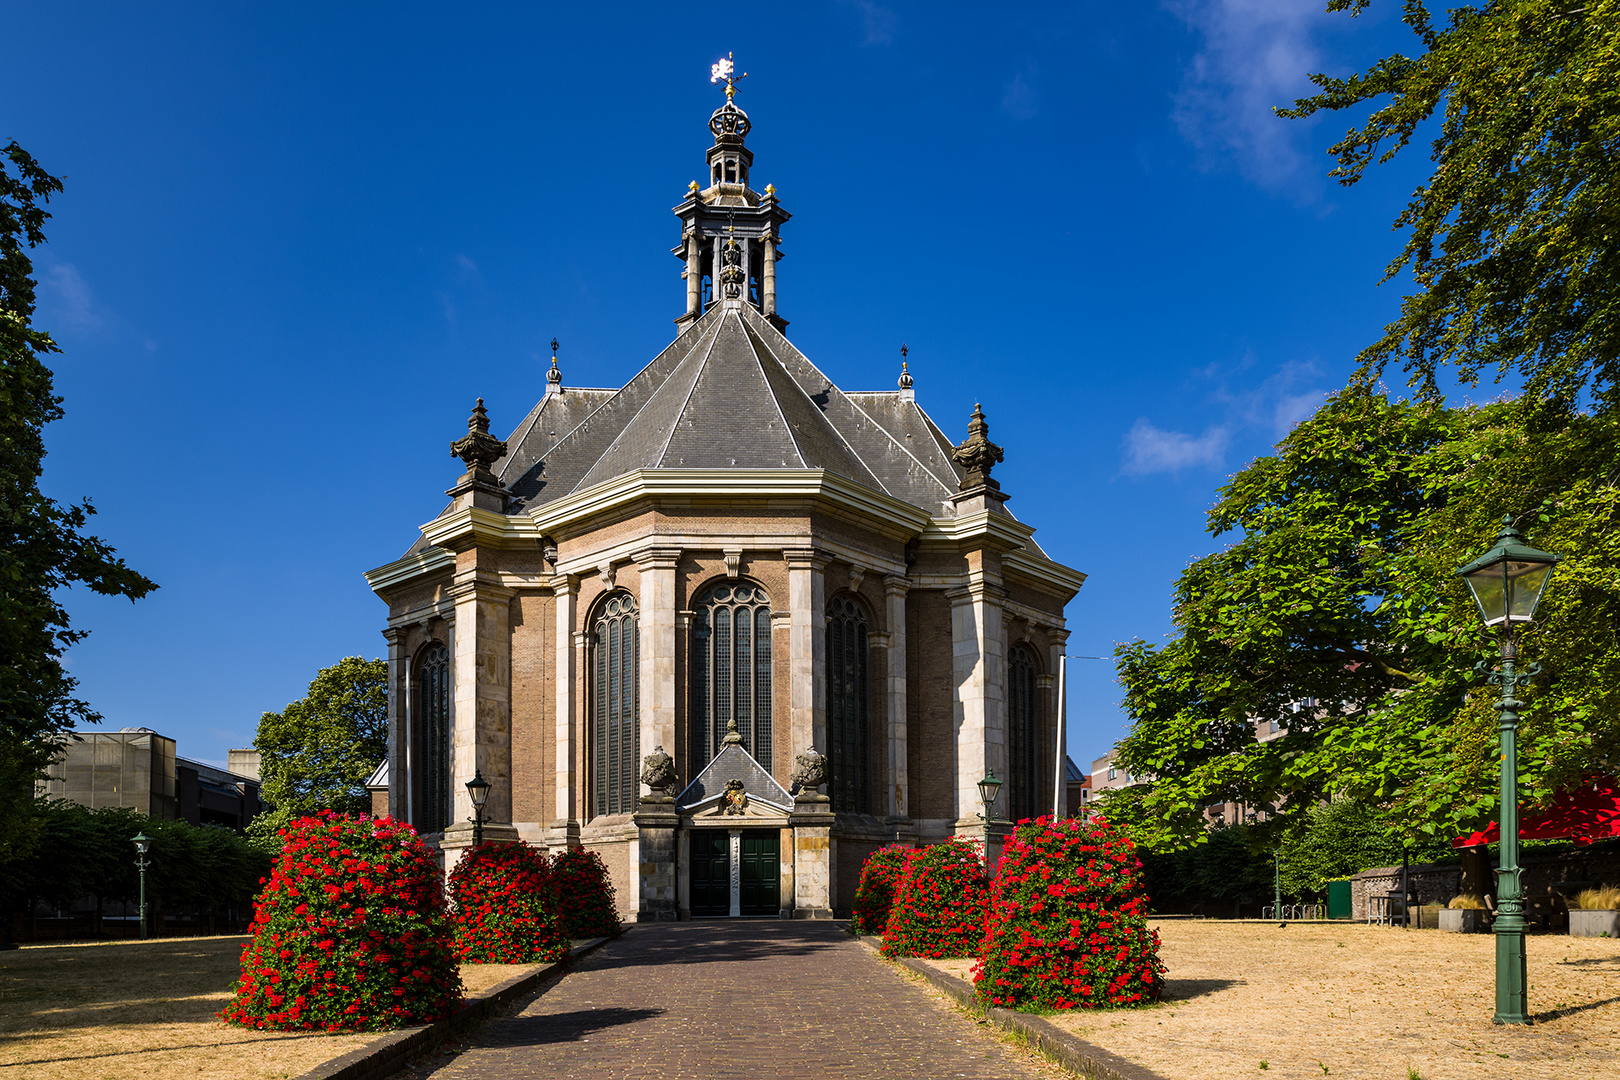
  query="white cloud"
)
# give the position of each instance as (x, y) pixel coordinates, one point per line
(1256, 55)
(1150, 449)
(67, 306)
(1018, 98)
(877, 22)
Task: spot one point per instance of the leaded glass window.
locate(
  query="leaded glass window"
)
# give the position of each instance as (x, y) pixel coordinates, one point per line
(731, 670)
(848, 707)
(433, 735)
(615, 696)
(1023, 735)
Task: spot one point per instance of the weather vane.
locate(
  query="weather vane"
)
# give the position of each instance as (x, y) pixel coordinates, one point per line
(721, 71)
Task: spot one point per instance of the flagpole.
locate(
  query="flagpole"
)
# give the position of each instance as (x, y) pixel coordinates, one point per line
(1062, 716)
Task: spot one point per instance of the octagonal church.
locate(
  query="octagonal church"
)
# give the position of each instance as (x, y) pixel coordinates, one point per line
(730, 626)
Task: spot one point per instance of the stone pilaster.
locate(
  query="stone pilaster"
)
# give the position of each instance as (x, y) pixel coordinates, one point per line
(694, 275)
(398, 692)
(655, 863)
(657, 618)
(768, 284)
(815, 868)
(895, 588)
(979, 675)
(565, 826)
(1056, 640)
(481, 667)
(807, 666)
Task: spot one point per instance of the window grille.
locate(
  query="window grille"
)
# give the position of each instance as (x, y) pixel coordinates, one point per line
(615, 697)
(1023, 735)
(848, 707)
(731, 671)
(433, 727)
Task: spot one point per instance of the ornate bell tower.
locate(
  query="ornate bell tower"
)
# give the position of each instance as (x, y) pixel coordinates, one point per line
(730, 233)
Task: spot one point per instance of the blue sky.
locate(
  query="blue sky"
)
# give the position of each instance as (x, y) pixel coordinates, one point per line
(298, 240)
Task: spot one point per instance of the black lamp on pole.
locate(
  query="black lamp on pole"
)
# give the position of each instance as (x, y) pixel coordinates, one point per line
(1508, 582)
(478, 792)
(989, 788)
(142, 844)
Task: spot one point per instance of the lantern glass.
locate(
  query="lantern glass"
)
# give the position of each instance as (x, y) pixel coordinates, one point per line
(478, 790)
(1508, 580)
(989, 787)
(142, 842)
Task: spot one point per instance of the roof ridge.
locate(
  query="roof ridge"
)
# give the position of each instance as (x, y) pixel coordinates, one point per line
(658, 458)
(903, 447)
(770, 391)
(854, 454)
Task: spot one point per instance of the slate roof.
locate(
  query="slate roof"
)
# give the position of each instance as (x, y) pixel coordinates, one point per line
(731, 392)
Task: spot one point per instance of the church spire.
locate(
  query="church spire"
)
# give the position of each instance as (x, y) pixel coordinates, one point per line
(730, 232)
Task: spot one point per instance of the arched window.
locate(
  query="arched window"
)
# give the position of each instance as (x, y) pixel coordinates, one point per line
(1023, 735)
(731, 670)
(848, 707)
(433, 738)
(615, 716)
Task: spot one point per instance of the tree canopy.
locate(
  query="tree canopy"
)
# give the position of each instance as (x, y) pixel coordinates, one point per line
(42, 545)
(1341, 590)
(1511, 239)
(317, 752)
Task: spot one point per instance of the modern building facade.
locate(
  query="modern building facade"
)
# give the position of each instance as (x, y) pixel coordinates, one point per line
(728, 625)
(136, 768)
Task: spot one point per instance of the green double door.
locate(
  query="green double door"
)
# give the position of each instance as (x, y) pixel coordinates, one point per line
(759, 872)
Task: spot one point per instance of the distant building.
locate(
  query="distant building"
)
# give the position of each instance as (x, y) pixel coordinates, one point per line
(1107, 774)
(136, 768)
(1077, 789)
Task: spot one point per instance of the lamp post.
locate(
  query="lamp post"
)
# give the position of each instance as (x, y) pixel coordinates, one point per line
(478, 792)
(142, 842)
(1507, 582)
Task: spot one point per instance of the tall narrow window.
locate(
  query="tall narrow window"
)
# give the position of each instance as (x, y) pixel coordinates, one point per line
(433, 738)
(848, 708)
(731, 671)
(615, 718)
(1023, 735)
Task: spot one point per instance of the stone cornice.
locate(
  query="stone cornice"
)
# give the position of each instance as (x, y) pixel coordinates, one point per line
(411, 567)
(472, 526)
(983, 527)
(1032, 568)
(816, 484)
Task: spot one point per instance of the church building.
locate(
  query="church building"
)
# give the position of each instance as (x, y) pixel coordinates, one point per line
(728, 625)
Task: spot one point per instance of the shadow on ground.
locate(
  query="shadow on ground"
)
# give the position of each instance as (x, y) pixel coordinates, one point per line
(1187, 989)
(651, 944)
(552, 1028)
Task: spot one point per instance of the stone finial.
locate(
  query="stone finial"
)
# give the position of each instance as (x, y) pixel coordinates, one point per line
(478, 449)
(692, 188)
(658, 770)
(733, 736)
(977, 454)
(770, 189)
(809, 770)
(554, 376)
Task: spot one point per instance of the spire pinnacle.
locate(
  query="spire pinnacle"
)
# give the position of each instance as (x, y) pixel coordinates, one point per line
(977, 454)
(725, 71)
(554, 376)
(906, 392)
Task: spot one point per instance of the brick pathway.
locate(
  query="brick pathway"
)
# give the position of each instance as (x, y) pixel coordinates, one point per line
(768, 1000)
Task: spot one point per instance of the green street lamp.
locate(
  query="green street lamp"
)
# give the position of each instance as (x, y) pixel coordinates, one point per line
(989, 788)
(478, 792)
(1507, 582)
(142, 843)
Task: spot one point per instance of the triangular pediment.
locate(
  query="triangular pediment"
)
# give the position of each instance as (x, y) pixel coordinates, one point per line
(734, 763)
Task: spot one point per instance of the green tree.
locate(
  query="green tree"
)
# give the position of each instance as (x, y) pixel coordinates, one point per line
(1511, 240)
(1340, 589)
(317, 753)
(42, 546)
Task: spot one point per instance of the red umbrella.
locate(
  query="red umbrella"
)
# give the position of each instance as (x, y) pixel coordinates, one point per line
(1587, 813)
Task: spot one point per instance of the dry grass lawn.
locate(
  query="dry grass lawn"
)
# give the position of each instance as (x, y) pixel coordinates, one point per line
(137, 1009)
(1357, 1001)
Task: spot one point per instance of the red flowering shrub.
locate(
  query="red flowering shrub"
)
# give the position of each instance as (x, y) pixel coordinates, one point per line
(505, 906)
(586, 905)
(940, 903)
(1068, 921)
(875, 894)
(348, 932)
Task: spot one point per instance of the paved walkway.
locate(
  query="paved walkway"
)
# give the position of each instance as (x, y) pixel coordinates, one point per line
(768, 999)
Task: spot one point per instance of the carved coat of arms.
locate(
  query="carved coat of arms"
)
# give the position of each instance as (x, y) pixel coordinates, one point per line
(734, 800)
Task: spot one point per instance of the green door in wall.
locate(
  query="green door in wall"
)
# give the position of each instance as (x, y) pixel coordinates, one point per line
(711, 872)
(761, 873)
